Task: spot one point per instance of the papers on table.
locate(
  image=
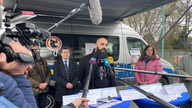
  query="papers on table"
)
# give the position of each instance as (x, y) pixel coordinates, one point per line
(96, 94)
(167, 93)
(99, 97)
(152, 88)
(167, 97)
(70, 98)
(105, 103)
(174, 89)
(104, 92)
(102, 97)
(130, 95)
(171, 92)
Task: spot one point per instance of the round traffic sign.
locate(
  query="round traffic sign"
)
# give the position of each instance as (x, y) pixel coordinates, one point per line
(53, 43)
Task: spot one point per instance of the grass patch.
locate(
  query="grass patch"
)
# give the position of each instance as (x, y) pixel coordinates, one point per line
(171, 60)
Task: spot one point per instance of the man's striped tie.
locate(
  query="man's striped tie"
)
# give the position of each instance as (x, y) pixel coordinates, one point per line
(67, 70)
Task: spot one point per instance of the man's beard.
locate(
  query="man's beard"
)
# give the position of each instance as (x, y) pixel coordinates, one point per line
(101, 55)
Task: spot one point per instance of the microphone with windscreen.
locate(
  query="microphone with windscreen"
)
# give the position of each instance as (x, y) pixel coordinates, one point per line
(95, 11)
(107, 64)
(92, 62)
(110, 58)
(101, 68)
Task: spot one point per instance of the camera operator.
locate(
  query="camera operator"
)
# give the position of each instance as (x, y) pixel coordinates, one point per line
(17, 89)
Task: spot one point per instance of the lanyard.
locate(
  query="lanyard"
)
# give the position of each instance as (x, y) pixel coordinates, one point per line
(145, 64)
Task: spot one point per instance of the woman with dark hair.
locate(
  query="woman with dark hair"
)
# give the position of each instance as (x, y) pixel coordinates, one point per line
(148, 62)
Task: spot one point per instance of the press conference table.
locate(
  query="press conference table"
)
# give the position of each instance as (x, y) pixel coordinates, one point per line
(146, 103)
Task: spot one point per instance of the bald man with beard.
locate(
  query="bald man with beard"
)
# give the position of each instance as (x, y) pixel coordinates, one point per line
(96, 81)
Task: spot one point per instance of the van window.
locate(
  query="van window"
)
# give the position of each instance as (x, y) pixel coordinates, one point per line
(80, 40)
(143, 44)
(77, 44)
(135, 43)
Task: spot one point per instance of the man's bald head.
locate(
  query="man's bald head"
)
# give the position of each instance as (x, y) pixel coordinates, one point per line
(100, 39)
(101, 44)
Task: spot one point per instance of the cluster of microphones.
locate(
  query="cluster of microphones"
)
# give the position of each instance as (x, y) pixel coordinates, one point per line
(103, 66)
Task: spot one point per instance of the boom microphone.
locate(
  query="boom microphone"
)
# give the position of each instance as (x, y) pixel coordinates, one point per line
(95, 11)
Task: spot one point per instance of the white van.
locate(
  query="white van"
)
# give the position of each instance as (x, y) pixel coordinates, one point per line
(74, 33)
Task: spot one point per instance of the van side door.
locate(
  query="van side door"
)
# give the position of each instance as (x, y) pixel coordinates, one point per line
(133, 43)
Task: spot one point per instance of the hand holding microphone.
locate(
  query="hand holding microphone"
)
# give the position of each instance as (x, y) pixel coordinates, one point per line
(79, 101)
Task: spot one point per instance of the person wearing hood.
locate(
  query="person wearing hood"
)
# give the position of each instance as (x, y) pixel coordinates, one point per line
(148, 62)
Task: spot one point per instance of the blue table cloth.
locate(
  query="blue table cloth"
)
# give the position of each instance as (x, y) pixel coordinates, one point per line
(146, 103)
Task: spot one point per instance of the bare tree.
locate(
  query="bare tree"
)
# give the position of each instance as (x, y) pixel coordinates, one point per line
(150, 23)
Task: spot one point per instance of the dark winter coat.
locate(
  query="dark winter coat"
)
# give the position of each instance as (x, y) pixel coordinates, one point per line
(83, 71)
(35, 78)
(60, 76)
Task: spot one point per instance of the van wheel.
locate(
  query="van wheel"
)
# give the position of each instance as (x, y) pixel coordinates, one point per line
(163, 81)
(50, 101)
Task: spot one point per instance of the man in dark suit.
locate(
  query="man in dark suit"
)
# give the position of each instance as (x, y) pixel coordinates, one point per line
(65, 75)
(96, 81)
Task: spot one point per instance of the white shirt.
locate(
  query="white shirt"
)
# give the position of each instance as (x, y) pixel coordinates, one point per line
(67, 62)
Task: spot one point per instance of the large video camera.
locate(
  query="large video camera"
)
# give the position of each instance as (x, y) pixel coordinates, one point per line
(27, 34)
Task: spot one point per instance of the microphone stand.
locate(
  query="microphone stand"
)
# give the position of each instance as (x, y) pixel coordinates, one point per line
(74, 11)
(147, 94)
(86, 88)
(155, 73)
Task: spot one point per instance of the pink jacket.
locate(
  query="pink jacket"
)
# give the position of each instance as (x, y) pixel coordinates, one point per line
(154, 66)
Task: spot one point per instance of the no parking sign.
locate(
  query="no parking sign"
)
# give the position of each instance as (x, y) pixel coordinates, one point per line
(54, 44)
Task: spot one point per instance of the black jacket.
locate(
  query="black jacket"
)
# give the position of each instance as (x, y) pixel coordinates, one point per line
(83, 71)
(60, 76)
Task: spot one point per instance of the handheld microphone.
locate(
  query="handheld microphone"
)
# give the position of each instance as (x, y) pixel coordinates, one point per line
(100, 62)
(92, 62)
(95, 11)
(100, 68)
(107, 64)
(110, 58)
